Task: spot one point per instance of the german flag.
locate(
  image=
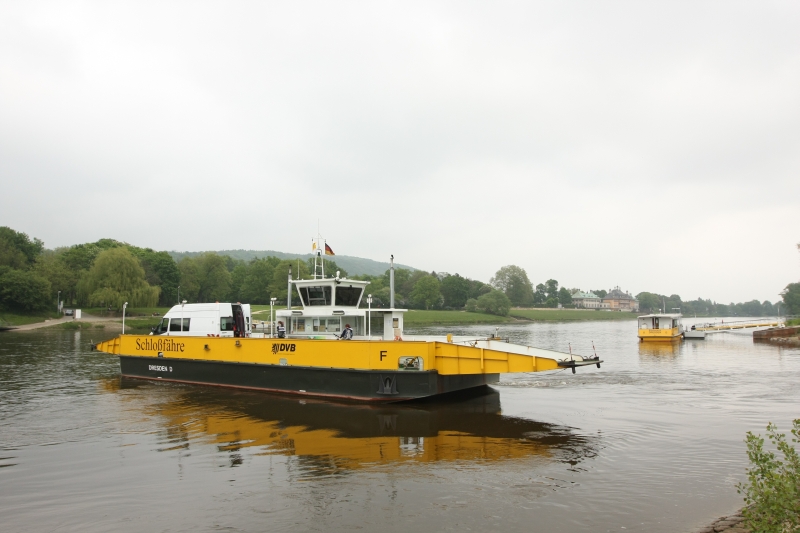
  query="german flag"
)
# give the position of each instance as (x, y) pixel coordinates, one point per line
(328, 250)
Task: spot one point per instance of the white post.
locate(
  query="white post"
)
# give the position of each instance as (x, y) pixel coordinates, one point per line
(289, 288)
(124, 306)
(369, 312)
(182, 304)
(58, 302)
(271, 320)
(391, 282)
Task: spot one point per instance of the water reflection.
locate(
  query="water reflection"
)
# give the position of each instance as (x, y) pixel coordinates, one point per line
(662, 350)
(331, 438)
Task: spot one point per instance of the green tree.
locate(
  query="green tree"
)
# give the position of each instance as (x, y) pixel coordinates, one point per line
(601, 293)
(51, 266)
(551, 289)
(471, 305)
(190, 279)
(81, 256)
(540, 296)
(162, 271)
(214, 278)
(513, 281)
(237, 280)
(402, 280)
(279, 285)
(331, 268)
(24, 290)
(426, 292)
(117, 277)
(649, 302)
(456, 291)
(791, 298)
(752, 308)
(494, 303)
(564, 296)
(406, 287)
(478, 288)
(255, 287)
(17, 250)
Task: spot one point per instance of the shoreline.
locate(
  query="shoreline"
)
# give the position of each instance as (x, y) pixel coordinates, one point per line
(733, 523)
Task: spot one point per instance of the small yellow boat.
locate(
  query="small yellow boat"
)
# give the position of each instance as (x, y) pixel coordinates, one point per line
(660, 327)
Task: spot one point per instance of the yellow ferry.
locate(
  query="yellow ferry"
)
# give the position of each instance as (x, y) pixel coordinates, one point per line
(214, 344)
(660, 327)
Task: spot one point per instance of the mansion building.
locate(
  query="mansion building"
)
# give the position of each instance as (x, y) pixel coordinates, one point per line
(615, 300)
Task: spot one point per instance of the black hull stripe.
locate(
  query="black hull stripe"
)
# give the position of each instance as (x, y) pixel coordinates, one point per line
(347, 384)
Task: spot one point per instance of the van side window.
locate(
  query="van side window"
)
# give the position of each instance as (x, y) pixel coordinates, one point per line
(226, 323)
(175, 324)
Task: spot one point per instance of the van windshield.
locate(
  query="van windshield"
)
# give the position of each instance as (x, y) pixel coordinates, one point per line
(162, 327)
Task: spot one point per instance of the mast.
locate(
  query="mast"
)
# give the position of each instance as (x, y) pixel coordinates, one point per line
(319, 262)
(391, 282)
(289, 293)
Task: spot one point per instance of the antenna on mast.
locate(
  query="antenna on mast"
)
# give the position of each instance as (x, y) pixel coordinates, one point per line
(319, 262)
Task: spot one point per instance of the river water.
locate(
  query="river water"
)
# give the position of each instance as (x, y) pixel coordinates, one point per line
(652, 441)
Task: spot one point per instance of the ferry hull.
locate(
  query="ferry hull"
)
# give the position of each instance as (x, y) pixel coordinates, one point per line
(660, 335)
(362, 385)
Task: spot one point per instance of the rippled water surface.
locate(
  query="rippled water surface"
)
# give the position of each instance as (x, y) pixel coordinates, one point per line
(652, 441)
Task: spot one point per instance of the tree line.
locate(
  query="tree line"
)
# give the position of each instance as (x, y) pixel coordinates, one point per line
(109, 273)
(650, 302)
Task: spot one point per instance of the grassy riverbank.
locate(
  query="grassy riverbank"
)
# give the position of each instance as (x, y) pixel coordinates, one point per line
(129, 312)
(570, 314)
(13, 319)
(450, 318)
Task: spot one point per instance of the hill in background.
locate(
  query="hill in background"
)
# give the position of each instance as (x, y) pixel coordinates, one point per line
(355, 266)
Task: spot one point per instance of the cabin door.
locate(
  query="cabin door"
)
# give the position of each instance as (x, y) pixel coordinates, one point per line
(238, 321)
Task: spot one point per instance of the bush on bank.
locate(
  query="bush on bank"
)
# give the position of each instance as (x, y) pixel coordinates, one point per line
(772, 490)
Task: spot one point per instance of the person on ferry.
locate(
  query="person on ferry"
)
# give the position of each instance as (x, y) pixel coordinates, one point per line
(347, 333)
(281, 330)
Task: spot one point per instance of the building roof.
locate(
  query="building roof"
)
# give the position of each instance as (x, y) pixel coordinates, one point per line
(584, 295)
(617, 294)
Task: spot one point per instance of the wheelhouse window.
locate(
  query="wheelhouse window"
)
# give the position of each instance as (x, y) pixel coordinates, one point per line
(327, 325)
(300, 325)
(348, 296)
(316, 295)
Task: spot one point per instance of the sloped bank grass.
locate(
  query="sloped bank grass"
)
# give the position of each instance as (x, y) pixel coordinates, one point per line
(129, 312)
(15, 319)
(78, 324)
(450, 318)
(141, 325)
(570, 314)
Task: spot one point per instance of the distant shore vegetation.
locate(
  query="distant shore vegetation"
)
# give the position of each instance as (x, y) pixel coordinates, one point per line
(107, 273)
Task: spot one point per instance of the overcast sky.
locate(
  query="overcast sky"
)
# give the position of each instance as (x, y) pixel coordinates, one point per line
(655, 146)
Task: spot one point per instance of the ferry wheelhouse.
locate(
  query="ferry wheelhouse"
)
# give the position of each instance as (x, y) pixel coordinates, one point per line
(660, 327)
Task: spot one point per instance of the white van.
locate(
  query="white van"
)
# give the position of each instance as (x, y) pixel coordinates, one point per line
(201, 320)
